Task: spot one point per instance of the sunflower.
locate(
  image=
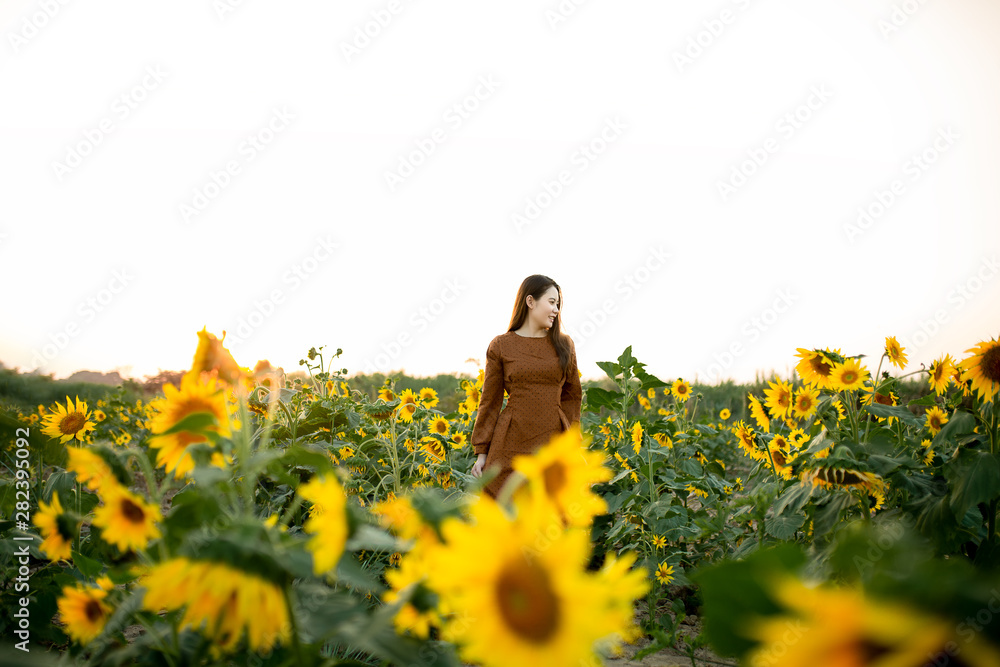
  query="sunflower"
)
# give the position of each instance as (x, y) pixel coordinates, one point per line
(779, 398)
(84, 612)
(125, 519)
(539, 604)
(197, 394)
(815, 367)
(758, 413)
(91, 470)
(561, 474)
(724, 414)
(844, 626)
(428, 397)
(848, 376)
(221, 602)
(983, 368)
(936, 418)
(840, 409)
(832, 477)
(327, 523)
(664, 440)
(745, 435)
(659, 541)
(434, 448)
(895, 352)
(212, 357)
(941, 372)
(408, 402)
(458, 440)
(691, 488)
(69, 423)
(664, 573)
(439, 425)
(57, 527)
(805, 402)
(778, 449)
(637, 437)
(681, 390)
(386, 394)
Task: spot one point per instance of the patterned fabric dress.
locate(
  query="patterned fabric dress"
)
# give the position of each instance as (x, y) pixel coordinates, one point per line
(542, 401)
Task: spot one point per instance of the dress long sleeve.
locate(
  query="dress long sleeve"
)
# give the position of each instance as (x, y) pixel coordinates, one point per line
(572, 392)
(490, 400)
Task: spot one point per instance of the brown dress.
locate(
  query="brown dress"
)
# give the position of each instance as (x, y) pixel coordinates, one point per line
(542, 401)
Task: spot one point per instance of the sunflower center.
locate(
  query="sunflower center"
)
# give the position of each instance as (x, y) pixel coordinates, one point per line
(779, 458)
(132, 512)
(819, 366)
(527, 602)
(93, 611)
(849, 377)
(555, 478)
(72, 423)
(883, 399)
(989, 366)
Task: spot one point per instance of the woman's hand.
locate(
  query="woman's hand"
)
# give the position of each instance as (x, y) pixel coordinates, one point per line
(477, 467)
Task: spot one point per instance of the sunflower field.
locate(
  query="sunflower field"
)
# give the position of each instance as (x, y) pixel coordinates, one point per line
(240, 518)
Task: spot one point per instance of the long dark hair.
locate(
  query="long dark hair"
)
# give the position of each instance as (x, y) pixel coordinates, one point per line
(537, 285)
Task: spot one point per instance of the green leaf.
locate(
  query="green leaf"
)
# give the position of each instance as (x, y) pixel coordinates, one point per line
(927, 400)
(974, 477)
(196, 422)
(794, 499)
(896, 411)
(626, 360)
(783, 526)
(373, 539)
(612, 369)
(602, 398)
(960, 423)
(735, 594)
(88, 567)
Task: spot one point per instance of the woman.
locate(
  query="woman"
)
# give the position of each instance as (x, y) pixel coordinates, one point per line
(536, 365)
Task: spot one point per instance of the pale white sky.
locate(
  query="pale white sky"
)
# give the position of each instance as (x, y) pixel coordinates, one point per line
(381, 176)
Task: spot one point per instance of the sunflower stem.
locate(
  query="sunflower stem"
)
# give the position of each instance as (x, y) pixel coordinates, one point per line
(878, 377)
(296, 644)
(147, 471)
(649, 461)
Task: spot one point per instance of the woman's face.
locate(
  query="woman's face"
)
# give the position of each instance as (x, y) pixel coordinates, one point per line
(545, 309)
